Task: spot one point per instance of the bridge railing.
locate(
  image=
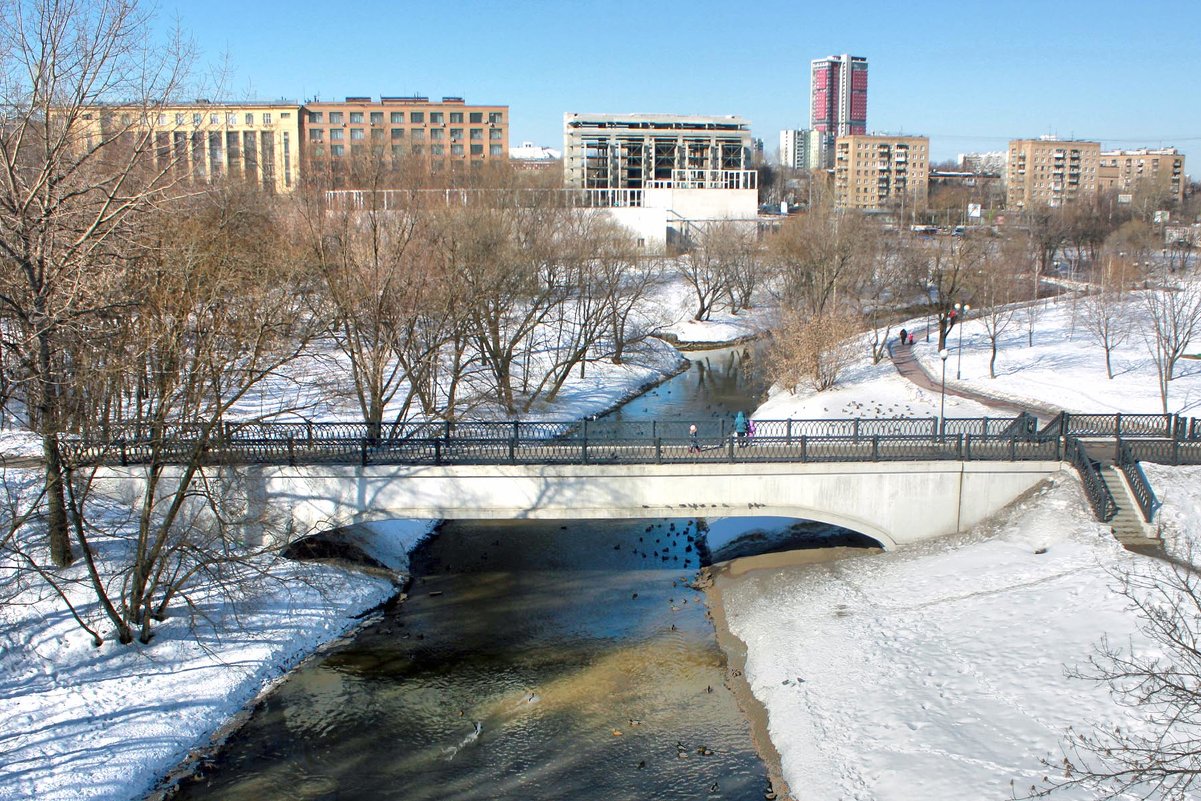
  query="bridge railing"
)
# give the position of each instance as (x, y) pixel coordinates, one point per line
(1118, 425)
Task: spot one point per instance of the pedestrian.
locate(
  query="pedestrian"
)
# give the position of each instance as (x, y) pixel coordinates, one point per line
(911, 339)
(750, 432)
(740, 427)
(904, 337)
(694, 444)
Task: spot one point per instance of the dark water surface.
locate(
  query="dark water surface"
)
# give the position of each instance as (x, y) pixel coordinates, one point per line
(533, 660)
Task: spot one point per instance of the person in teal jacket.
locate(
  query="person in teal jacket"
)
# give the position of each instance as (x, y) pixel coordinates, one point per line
(740, 427)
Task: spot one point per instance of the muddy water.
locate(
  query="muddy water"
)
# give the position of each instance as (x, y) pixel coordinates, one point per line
(532, 660)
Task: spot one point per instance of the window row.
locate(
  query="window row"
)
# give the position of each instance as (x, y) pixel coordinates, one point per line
(398, 117)
(417, 134)
(318, 150)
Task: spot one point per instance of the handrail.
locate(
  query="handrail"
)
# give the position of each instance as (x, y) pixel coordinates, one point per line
(1137, 479)
(1095, 489)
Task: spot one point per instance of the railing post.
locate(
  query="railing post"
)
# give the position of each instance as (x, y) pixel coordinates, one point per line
(1117, 426)
(933, 428)
(788, 432)
(447, 435)
(363, 446)
(291, 453)
(437, 451)
(804, 450)
(584, 449)
(731, 448)
(513, 447)
(967, 445)
(1013, 449)
(959, 446)
(658, 450)
(875, 447)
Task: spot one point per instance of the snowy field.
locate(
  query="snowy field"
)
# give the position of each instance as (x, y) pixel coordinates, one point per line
(932, 672)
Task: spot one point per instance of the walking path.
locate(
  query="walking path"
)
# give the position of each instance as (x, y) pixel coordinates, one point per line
(911, 369)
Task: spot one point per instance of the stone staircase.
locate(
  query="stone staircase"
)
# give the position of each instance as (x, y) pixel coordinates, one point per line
(1128, 525)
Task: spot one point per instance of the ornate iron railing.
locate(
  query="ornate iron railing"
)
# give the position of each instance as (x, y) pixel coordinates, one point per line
(1095, 489)
(1137, 479)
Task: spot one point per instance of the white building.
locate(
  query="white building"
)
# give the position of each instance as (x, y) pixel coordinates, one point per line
(800, 149)
(661, 175)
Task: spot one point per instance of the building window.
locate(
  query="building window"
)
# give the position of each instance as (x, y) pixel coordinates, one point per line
(456, 116)
(231, 119)
(417, 134)
(437, 133)
(179, 119)
(356, 117)
(377, 134)
(377, 118)
(437, 150)
(397, 151)
(417, 149)
(495, 150)
(456, 150)
(335, 118)
(214, 119)
(398, 133)
(495, 134)
(335, 150)
(477, 150)
(196, 119)
(495, 117)
(318, 151)
(477, 117)
(316, 135)
(436, 118)
(416, 117)
(266, 118)
(356, 134)
(456, 134)
(477, 134)
(335, 133)
(316, 117)
(397, 117)
(250, 119)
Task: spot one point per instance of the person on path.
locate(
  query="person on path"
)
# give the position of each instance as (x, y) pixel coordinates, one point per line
(694, 444)
(750, 432)
(904, 337)
(740, 427)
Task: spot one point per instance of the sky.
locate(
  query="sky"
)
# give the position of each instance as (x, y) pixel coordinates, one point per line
(969, 75)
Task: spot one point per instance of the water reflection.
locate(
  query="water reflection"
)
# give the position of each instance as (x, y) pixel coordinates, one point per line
(533, 660)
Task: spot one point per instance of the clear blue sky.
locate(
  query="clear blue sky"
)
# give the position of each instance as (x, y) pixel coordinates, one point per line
(969, 75)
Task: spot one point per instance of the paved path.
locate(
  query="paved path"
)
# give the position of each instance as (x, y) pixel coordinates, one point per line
(909, 367)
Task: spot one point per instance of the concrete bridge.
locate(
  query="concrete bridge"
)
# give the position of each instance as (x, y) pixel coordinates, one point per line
(895, 503)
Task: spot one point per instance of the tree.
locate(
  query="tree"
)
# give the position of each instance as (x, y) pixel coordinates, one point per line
(1159, 755)
(812, 349)
(1173, 319)
(995, 295)
(75, 182)
(820, 254)
(948, 279)
(703, 266)
(1106, 312)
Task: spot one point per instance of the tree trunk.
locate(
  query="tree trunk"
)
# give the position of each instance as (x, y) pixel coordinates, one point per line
(56, 521)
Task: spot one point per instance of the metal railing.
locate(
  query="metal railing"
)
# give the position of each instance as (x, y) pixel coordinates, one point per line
(1137, 479)
(1122, 426)
(1095, 488)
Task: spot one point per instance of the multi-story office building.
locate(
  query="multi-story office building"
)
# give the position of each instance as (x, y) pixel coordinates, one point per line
(394, 128)
(204, 142)
(799, 149)
(632, 151)
(1126, 170)
(1050, 172)
(837, 101)
(876, 171)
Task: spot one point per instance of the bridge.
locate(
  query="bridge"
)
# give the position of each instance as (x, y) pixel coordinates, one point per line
(898, 480)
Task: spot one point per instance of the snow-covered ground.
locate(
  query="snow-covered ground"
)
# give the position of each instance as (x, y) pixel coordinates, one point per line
(933, 672)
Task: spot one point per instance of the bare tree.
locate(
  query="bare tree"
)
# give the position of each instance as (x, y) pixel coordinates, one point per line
(995, 293)
(74, 181)
(812, 350)
(951, 269)
(1172, 321)
(1106, 311)
(818, 255)
(703, 267)
(1159, 755)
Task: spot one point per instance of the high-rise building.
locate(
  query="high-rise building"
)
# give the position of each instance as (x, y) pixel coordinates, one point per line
(1050, 172)
(837, 100)
(799, 149)
(1125, 170)
(876, 171)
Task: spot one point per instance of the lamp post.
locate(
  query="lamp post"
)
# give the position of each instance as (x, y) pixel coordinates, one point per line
(961, 310)
(942, 396)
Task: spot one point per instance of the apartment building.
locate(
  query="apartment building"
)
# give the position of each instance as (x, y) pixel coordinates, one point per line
(800, 149)
(1050, 172)
(1125, 170)
(393, 128)
(837, 102)
(873, 171)
(204, 141)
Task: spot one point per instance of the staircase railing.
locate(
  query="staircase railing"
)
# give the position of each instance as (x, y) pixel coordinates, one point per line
(1137, 479)
(1095, 489)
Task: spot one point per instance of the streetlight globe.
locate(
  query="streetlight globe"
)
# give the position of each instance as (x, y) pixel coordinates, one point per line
(943, 354)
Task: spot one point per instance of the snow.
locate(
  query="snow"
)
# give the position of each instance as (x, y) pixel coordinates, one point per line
(931, 672)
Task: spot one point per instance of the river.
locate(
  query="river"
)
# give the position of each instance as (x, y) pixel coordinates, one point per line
(531, 660)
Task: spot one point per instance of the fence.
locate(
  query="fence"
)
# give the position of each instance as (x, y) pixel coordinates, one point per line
(1137, 479)
(1095, 489)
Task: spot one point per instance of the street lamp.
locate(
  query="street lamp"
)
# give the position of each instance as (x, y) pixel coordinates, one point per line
(961, 310)
(942, 396)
